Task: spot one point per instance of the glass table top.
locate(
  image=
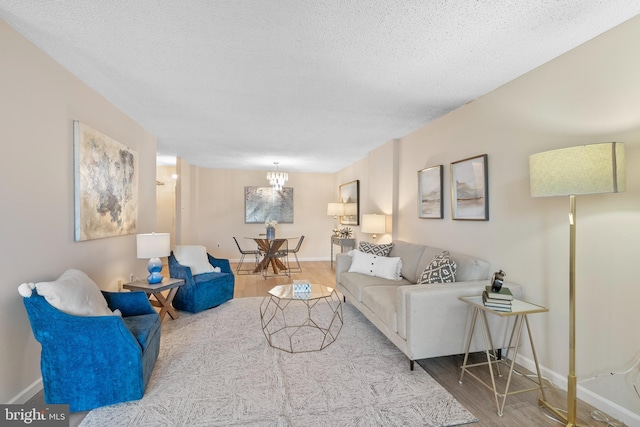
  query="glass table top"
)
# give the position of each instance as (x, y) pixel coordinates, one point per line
(303, 290)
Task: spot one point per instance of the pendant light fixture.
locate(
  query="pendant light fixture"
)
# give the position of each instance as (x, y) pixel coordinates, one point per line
(277, 178)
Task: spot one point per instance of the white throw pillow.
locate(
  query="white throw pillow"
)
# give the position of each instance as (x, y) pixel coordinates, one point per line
(75, 293)
(193, 256)
(374, 265)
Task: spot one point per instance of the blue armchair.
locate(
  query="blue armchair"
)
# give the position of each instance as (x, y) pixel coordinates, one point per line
(93, 361)
(205, 290)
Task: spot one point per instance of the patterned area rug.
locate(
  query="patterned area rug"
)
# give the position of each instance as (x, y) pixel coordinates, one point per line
(216, 369)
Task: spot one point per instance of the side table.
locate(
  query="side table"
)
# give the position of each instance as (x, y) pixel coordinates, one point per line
(343, 243)
(520, 309)
(155, 291)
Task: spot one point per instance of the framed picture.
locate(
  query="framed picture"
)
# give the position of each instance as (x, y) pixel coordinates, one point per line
(265, 203)
(430, 192)
(106, 185)
(350, 196)
(470, 189)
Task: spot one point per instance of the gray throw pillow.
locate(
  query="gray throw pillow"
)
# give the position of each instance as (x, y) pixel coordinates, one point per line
(372, 248)
(441, 269)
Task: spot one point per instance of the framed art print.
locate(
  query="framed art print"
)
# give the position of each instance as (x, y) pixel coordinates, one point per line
(470, 189)
(349, 195)
(266, 203)
(430, 193)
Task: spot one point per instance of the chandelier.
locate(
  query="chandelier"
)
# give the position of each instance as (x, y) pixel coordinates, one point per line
(277, 178)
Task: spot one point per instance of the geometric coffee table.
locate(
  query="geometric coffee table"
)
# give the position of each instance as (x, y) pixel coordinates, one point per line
(299, 318)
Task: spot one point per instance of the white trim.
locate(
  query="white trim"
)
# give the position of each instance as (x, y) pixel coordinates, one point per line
(584, 394)
(25, 395)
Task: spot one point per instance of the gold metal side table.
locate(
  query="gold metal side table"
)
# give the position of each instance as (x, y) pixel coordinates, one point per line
(520, 309)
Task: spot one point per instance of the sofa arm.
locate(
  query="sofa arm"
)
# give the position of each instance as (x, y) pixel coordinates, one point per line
(343, 263)
(224, 264)
(428, 310)
(129, 303)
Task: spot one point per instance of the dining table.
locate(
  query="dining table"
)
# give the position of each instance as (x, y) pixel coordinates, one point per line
(270, 248)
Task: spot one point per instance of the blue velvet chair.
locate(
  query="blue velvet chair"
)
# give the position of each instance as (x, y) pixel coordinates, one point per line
(205, 290)
(93, 361)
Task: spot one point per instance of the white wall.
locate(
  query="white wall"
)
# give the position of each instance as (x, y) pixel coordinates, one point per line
(588, 95)
(39, 102)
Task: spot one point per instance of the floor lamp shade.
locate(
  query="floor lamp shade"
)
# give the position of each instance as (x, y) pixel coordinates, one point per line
(153, 246)
(585, 169)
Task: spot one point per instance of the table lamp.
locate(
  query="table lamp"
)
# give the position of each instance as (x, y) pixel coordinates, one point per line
(153, 246)
(372, 223)
(585, 169)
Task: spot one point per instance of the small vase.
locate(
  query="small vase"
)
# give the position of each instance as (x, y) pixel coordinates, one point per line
(271, 233)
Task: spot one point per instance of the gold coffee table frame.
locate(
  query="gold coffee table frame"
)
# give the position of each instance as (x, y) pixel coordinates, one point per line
(299, 322)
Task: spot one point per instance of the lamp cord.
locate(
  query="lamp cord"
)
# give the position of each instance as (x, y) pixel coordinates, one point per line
(596, 414)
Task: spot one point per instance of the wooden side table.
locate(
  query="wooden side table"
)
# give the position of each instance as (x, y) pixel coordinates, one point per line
(520, 309)
(155, 291)
(343, 243)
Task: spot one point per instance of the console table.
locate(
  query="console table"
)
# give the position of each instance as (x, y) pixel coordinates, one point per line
(520, 309)
(343, 243)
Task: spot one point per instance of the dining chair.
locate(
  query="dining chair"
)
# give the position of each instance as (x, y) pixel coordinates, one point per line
(295, 254)
(243, 254)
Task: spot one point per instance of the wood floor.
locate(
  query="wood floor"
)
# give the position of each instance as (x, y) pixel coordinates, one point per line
(520, 410)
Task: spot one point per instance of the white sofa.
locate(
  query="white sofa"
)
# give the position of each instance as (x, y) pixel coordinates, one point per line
(423, 320)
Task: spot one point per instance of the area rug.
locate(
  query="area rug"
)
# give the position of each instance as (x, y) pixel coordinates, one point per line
(216, 369)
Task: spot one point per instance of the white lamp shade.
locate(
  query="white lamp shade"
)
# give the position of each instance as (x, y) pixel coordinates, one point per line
(374, 224)
(153, 245)
(335, 209)
(585, 169)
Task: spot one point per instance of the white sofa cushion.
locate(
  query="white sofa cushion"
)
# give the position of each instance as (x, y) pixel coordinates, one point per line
(374, 265)
(354, 283)
(193, 256)
(411, 255)
(380, 300)
(75, 293)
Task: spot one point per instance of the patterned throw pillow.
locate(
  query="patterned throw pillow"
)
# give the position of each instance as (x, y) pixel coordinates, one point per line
(372, 248)
(441, 269)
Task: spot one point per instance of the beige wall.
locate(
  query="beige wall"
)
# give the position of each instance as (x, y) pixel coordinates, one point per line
(39, 102)
(220, 211)
(591, 94)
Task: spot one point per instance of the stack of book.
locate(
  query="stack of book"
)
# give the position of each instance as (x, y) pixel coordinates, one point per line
(499, 301)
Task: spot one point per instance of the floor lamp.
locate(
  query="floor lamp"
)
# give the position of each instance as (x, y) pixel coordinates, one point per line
(586, 169)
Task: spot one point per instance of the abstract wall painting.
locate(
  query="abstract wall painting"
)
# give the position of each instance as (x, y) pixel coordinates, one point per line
(106, 185)
(265, 203)
(470, 189)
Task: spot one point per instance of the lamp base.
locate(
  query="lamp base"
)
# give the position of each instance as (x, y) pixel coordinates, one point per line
(155, 267)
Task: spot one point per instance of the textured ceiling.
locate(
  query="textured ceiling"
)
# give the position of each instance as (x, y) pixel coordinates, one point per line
(315, 84)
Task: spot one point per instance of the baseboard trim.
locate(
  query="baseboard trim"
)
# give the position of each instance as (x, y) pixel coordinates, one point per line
(611, 408)
(25, 395)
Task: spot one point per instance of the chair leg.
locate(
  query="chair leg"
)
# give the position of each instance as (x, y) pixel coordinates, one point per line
(240, 263)
(299, 267)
